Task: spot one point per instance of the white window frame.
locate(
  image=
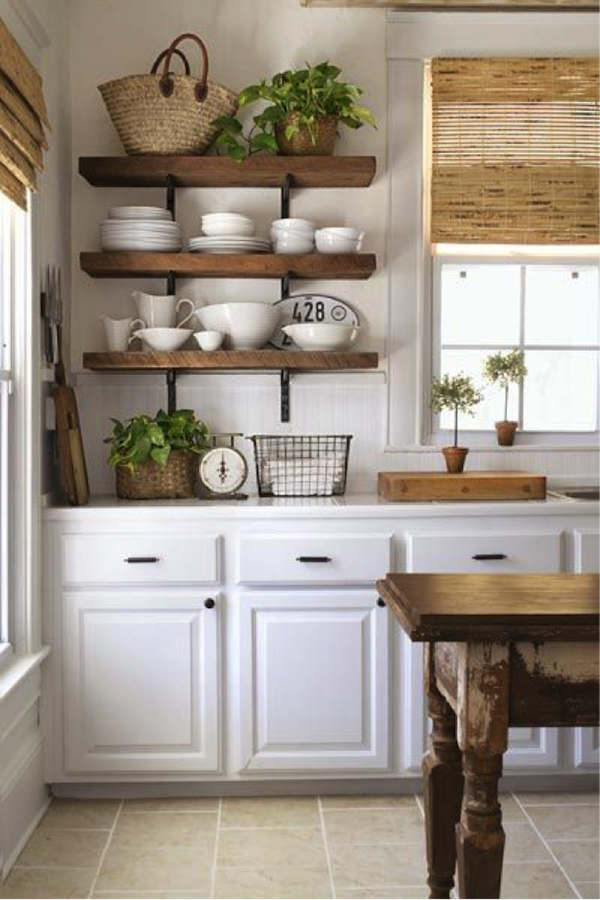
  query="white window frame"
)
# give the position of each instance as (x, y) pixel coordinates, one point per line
(503, 256)
(413, 39)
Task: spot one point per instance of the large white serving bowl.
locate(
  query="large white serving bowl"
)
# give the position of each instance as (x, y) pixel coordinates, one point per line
(164, 340)
(322, 335)
(247, 326)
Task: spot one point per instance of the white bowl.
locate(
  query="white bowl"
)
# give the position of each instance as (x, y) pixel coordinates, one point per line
(209, 340)
(322, 335)
(354, 234)
(293, 224)
(228, 229)
(293, 244)
(327, 243)
(247, 326)
(164, 340)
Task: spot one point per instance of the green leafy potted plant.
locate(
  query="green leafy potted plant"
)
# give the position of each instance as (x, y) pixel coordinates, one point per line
(505, 369)
(458, 394)
(302, 112)
(157, 457)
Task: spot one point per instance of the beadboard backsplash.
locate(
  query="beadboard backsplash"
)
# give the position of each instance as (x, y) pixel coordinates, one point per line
(342, 404)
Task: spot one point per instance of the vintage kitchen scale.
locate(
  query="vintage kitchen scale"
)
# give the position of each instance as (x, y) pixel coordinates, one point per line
(223, 470)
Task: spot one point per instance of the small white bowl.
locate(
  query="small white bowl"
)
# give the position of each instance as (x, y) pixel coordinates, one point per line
(354, 234)
(327, 243)
(293, 224)
(293, 244)
(322, 335)
(163, 340)
(209, 340)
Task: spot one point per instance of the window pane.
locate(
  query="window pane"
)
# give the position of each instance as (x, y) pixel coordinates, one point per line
(491, 409)
(560, 308)
(561, 390)
(480, 304)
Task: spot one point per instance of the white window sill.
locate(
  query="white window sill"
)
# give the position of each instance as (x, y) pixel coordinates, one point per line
(17, 667)
(494, 448)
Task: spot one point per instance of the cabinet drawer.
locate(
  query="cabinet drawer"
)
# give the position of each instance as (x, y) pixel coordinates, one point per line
(314, 559)
(134, 558)
(485, 553)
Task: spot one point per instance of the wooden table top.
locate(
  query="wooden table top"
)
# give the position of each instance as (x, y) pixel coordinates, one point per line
(494, 607)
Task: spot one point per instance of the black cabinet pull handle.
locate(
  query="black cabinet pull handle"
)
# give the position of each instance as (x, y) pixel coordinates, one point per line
(313, 559)
(141, 559)
(489, 556)
(380, 601)
(209, 603)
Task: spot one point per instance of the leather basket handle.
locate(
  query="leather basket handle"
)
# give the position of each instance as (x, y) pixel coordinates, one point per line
(166, 83)
(160, 58)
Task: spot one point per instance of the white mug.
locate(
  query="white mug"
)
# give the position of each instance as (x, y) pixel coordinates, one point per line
(161, 312)
(118, 332)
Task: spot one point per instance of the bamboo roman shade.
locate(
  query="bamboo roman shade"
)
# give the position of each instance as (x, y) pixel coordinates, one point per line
(515, 151)
(23, 119)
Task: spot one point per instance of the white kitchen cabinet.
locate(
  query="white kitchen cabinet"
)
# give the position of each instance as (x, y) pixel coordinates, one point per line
(483, 552)
(141, 681)
(587, 559)
(314, 687)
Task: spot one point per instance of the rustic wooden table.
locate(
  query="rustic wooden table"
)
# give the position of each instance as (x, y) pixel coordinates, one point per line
(501, 650)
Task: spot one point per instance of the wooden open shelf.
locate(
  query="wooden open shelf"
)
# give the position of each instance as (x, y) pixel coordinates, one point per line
(218, 171)
(194, 360)
(123, 264)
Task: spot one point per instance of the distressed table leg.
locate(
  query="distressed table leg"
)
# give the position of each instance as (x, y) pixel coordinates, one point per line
(482, 705)
(443, 784)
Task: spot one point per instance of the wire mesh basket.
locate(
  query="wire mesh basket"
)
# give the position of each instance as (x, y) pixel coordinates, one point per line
(301, 466)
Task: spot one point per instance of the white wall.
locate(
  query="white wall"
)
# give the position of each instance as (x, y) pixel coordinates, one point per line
(246, 42)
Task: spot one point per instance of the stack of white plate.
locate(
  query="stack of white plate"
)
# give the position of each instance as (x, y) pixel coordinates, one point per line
(138, 233)
(147, 213)
(229, 245)
(227, 225)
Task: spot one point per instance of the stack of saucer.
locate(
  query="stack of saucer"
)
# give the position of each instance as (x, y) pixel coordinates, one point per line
(228, 233)
(147, 228)
(227, 225)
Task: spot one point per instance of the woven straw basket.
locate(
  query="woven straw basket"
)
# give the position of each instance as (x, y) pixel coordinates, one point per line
(162, 114)
(176, 480)
(301, 144)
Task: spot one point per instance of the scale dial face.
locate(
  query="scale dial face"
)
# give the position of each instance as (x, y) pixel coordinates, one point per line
(223, 470)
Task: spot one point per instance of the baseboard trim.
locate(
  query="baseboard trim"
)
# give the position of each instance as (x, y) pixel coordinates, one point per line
(21, 845)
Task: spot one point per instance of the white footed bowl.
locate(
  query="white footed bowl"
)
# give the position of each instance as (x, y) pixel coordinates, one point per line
(247, 326)
(209, 340)
(322, 335)
(164, 340)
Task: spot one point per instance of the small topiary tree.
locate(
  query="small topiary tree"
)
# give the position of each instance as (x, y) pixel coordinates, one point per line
(505, 369)
(457, 393)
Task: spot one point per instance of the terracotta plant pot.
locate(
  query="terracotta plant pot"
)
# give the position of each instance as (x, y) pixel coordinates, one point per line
(455, 458)
(506, 433)
(301, 144)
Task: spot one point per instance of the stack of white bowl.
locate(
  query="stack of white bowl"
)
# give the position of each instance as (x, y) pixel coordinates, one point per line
(339, 240)
(293, 236)
(148, 228)
(228, 233)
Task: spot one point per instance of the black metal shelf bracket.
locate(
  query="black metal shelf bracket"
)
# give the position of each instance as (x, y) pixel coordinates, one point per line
(171, 284)
(285, 196)
(171, 195)
(285, 286)
(284, 391)
(171, 390)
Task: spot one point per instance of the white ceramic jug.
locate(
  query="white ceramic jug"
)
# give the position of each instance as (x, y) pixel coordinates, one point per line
(161, 312)
(118, 332)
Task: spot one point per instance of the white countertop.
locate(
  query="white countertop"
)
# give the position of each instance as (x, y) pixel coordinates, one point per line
(350, 506)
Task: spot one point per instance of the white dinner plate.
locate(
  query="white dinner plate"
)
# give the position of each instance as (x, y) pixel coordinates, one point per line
(138, 212)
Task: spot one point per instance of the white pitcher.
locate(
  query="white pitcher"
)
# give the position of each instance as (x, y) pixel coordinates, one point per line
(161, 312)
(118, 332)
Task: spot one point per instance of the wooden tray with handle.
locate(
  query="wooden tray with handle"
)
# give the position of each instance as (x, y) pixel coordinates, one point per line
(415, 487)
(68, 434)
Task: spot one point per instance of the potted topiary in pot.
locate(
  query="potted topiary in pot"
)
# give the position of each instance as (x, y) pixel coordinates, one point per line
(505, 369)
(302, 112)
(458, 394)
(157, 457)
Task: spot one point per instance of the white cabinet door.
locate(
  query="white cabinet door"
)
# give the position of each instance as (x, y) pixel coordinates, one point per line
(466, 552)
(587, 559)
(141, 683)
(314, 681)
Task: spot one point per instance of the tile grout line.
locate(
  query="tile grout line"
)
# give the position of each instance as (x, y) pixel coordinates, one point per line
(213, 874)
(547, 846)
(105, 851)
(326, 845)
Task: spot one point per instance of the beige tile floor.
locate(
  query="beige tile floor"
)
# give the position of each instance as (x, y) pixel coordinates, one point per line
(305, 847)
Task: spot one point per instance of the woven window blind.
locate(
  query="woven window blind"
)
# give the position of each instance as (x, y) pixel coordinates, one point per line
(515, 151)
(23, 120)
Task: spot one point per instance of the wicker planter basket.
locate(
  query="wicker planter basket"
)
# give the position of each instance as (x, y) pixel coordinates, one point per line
(175, 481)
(162, 114)
(301, 144)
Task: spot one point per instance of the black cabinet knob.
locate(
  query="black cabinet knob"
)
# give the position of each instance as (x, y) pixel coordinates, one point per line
(380, 601)
(209, 603)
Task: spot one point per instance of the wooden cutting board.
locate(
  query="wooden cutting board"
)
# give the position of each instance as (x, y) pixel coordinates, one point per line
(415, 487)
(68, 435)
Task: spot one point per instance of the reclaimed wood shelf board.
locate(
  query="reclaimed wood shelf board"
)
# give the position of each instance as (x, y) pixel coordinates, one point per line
(232, 360)
(218, 171)
(122, 264)
(416, 487)
(461, 5)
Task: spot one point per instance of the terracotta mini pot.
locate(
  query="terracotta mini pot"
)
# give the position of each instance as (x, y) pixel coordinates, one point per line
(506, 433)
(301, 144)
(455, 458)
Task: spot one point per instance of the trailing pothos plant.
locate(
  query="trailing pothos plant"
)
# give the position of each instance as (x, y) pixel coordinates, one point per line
(297, 98)
(145, 438)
